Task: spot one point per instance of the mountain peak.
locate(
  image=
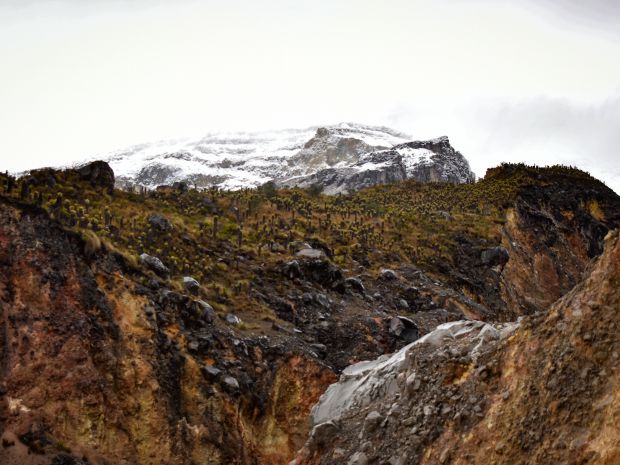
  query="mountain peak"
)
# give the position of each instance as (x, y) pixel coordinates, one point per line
(236, 160)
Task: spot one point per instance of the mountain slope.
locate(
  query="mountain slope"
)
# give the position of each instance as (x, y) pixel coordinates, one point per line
(425, 161)
(544, 390)
(239, 160)
(175, 327)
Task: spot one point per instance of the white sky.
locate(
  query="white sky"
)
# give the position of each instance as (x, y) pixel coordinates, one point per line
(507, 80)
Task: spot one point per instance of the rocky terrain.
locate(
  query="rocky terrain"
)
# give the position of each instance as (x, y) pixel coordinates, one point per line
(425, 161)
(544, 389)
(341, 158)
(178, 326)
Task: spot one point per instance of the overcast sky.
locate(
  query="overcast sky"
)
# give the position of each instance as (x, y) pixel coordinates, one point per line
(508, 80)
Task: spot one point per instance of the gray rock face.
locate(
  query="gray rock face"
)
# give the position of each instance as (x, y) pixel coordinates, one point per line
(425, 161)
(389, 402)
(372, 169)
(154, 264)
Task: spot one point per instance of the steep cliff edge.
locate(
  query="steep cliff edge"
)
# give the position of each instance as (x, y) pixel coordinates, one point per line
(544, 390)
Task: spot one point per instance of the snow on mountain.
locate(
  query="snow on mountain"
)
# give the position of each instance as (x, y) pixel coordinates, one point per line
(426, 161)
(236, 160)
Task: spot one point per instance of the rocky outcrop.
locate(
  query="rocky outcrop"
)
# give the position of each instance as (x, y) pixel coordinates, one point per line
(98, 174)
(103, 366)
(543, 390)
(425, 161)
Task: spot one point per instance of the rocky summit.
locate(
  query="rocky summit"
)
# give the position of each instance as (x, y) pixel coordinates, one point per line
(338, 159)
(399, 322)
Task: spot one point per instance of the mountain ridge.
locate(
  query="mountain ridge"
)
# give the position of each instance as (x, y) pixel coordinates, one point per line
(236, 160)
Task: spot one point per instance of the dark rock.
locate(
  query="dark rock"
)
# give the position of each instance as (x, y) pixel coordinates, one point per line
(495, 256)
(210, 373)
(388, 275)
(323, 272)
(205, 310)
(191, 284)
(355, 284)
(321, 349)
(283, 308)
(292, 269)
(154, 264)
(180, 186)
(159, 223)
(404, 328)
(98, 173)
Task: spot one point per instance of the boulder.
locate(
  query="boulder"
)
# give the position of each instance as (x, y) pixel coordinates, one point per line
(388, 275)
(322, 433)
(191, 284)
(404, 329)
(372, 420)
(230, 384)
(292, 269)
(98, 173)
(159, 223)
(155, 264)
(310, 253)
(320, 349)
(316, 243)
(496, 256)
(323, 272)
(359, 458)
(180, 186)
(206, 311)
(232, 319)
(210, 373)
(355, 284)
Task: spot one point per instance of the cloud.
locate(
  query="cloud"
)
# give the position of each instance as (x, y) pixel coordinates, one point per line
(599, 10)
(558, 130)
(548, 131)
(542, 131)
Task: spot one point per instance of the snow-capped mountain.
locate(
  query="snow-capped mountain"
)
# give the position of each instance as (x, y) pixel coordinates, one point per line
(342, 157)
